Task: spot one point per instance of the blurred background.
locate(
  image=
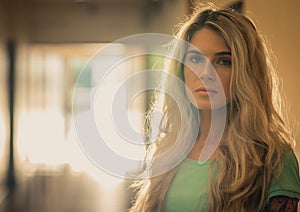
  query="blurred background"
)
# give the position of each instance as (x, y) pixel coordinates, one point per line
(44, 45)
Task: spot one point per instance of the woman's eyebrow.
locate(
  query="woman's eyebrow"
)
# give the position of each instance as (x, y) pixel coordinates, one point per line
(194, 52)
(223, 53)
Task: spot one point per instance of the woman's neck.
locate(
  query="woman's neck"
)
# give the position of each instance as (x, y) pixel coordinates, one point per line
(212, 125)
(205, 124)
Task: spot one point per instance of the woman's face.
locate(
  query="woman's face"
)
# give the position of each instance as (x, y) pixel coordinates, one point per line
(207, 70)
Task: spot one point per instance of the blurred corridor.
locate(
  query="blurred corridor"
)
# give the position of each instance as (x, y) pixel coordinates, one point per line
(52, 42)
(52, 172)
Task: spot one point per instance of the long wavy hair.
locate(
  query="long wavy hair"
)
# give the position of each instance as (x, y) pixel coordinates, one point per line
(256, 134)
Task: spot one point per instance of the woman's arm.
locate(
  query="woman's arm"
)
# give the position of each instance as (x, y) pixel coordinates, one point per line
(282, 204)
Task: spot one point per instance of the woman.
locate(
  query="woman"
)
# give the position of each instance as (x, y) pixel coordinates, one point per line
(253, 167)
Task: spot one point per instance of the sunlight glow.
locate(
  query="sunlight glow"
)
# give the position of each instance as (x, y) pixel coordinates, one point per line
(41, 137)
(45, 136)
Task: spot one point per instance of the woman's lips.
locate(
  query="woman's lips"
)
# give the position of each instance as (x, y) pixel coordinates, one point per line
(205, 91)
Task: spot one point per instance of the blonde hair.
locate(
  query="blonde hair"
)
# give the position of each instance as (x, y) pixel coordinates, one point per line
(256, 134)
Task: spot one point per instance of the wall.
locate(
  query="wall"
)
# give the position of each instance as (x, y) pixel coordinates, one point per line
(279, 21)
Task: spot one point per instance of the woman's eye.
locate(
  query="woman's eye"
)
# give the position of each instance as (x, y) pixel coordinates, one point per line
(196, 59)
(224, 61)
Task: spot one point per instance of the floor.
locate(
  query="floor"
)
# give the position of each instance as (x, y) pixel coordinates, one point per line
(63, 191)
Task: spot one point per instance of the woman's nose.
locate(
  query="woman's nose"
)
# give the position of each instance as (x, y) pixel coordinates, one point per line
(207, 72)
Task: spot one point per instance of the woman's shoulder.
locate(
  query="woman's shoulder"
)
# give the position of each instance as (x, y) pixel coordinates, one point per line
(288, 156)
(286, 180)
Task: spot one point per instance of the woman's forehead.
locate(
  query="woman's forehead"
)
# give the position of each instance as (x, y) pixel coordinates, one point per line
(208, 42)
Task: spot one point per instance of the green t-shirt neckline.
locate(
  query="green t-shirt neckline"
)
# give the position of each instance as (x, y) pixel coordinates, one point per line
(189, 188)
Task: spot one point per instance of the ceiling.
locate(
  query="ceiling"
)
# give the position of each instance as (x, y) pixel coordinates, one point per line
(86, 1)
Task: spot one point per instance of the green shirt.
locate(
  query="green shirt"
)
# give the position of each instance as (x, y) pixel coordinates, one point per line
(190, 186)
